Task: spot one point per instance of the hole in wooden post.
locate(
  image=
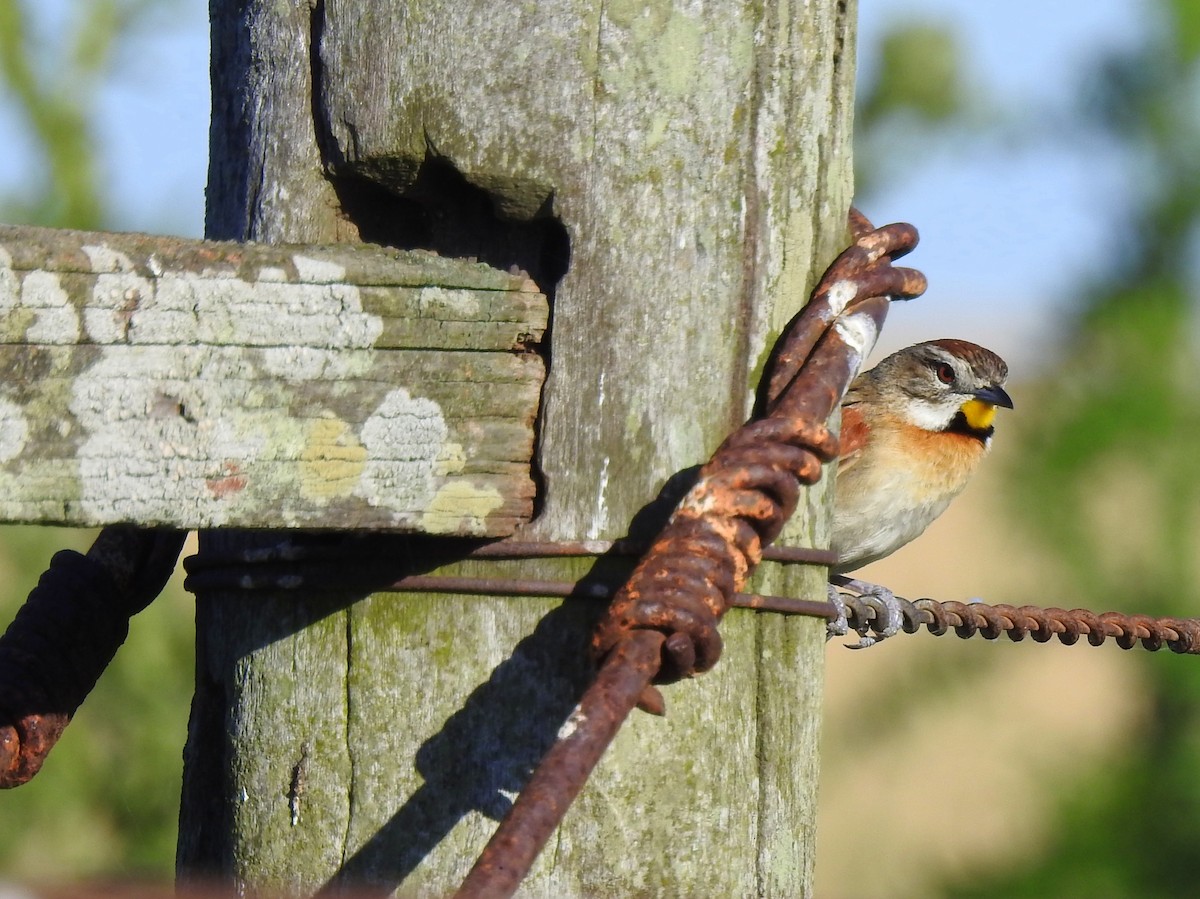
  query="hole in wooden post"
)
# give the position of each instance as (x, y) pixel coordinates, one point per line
(395, 201)
(440, 210)
(507, 223)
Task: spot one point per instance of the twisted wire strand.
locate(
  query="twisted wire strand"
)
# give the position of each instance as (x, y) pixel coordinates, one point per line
(749, 488)
(67, 632)
(662, 624)
(862, 614)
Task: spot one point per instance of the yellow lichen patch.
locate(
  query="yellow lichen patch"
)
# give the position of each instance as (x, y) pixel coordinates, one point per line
(979, 414)
(451, 460)
(460, 507)
(332, 460)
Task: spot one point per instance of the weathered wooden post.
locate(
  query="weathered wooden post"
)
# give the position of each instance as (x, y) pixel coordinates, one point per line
(673, 176)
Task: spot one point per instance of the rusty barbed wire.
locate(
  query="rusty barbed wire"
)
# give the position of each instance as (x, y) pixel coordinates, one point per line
(860, 614)
(67, 632)
(662, 624)
(749, 489)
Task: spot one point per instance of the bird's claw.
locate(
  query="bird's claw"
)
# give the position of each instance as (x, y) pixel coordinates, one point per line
(886, 620)
(839, 626)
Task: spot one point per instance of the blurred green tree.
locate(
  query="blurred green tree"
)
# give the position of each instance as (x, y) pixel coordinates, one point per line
(107, 802)
(1110, 469)
(917, 89)
(1108, 460)
(51, 84)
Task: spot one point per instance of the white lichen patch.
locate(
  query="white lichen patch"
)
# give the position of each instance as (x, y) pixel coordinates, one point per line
(463, 304)
(272, 273)
(577, 718)
(858, 331)
(9, 283)
(115, 298)
(106, 259)
(840, 295)
(262, 314)
(205, 430)
(405, 438)
(697, 504)
(311, 364)
(318, 271)
(13, 430)
(55, 319)
(151, 454)
(213, 307)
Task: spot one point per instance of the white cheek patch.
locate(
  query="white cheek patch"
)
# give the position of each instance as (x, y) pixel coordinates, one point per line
(931, 416)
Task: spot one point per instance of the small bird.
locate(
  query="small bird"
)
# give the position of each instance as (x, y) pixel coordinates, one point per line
(914, 429)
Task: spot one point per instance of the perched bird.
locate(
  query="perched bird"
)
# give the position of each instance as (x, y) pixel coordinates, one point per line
(914, 429)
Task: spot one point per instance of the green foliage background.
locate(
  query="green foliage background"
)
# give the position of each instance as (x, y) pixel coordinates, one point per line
(1128, 388)
(1118, 414)
(107, 802)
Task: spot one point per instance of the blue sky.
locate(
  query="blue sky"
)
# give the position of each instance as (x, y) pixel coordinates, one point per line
(1003, 285)
(1000, 223)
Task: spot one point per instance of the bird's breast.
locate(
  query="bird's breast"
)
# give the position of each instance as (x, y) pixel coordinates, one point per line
(903, 480)
(937, 462)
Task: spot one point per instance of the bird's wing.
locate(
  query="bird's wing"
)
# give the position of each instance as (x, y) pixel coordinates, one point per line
(854, 434)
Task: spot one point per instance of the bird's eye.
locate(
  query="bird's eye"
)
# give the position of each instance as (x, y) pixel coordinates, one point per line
(944, 372)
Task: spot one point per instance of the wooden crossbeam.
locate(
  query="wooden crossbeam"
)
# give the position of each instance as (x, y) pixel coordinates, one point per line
(199, 384)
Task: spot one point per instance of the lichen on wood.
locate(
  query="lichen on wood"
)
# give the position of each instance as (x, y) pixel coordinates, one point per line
(198, 384)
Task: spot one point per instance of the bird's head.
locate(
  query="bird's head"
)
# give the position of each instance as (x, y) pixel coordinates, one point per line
(945, 385)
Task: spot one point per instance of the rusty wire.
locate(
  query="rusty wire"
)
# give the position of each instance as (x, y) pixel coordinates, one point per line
(748, 490)
(308, 569)
(67, 632)
(260, 577)
(673, 601)
(288, 565)
(1181, 635)
(861, 613)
